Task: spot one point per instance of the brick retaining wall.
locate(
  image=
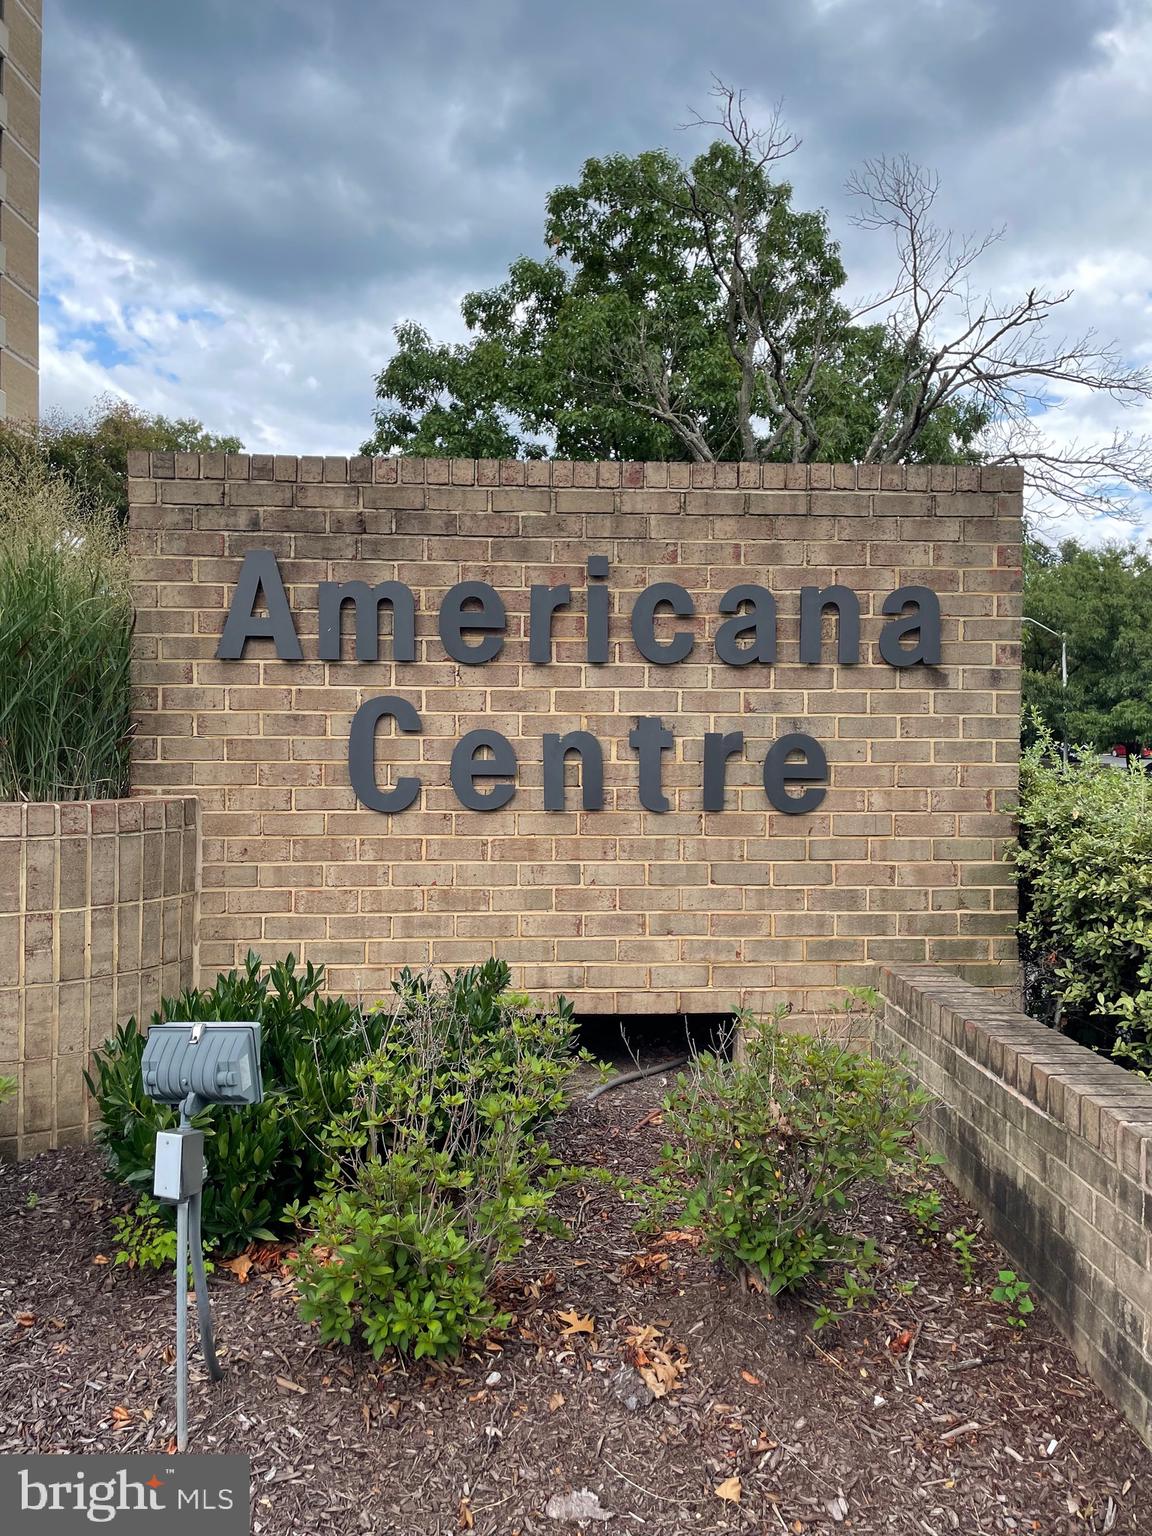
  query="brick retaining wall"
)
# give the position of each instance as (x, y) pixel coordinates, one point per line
(97, 922)
(1053, 1145)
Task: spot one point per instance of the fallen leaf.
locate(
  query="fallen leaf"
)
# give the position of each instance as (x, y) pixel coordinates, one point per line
(25, 1319)
(643, 1266)
(837, 1508)
(100, 1258)
(574, 1323)
(555, 1401)
(900, 1342)
(730, 1489)
(660, 1369)
(291, 1386)
(580, 1505)
(121, 1415)
(239, 1267)
(465, 1520)
(753, 1381)
(641, 1337)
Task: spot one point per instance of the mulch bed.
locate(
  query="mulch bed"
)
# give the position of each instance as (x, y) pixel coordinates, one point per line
(926, 1413)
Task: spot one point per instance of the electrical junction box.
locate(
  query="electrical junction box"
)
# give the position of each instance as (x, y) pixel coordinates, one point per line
(217, 1062)
(179, 1164)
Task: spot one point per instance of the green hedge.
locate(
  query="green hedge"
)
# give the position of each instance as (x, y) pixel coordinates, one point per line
(1085, 871)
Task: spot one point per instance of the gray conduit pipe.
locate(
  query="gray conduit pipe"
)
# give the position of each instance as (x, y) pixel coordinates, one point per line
(634, 1077)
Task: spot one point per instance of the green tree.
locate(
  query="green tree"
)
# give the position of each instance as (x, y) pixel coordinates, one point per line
(1101, 599)
(691, 311)
(91, 451)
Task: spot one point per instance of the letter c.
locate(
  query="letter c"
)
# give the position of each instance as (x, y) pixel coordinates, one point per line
(362, 754)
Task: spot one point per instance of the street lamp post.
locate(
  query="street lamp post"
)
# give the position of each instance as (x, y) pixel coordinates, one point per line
(1062, 636)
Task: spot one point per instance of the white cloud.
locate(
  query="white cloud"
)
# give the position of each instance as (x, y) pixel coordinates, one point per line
(284, 378)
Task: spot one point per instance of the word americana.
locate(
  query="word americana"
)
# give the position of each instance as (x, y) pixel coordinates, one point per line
(472, 626)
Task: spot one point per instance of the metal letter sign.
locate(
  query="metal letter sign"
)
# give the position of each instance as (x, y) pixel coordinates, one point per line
(472, 626)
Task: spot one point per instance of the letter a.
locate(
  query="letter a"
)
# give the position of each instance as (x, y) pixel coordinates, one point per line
(259, 573)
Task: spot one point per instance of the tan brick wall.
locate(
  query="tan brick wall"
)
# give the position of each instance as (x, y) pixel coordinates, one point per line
(20, 47)
(97, 915)
(622, 909)
(1053, 1145)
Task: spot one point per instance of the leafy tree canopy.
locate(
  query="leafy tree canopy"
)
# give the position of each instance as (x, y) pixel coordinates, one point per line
(692, 311)
(91, 451)
(1101, 598)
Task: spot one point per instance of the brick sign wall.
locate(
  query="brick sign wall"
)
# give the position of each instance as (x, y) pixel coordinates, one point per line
(782, 803)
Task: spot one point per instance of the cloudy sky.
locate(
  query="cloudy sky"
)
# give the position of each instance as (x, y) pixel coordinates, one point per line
(240, 200)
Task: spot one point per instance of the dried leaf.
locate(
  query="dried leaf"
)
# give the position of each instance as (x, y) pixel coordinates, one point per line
(100, 1258)
(730, 1490)
(25, 1319)
(240, 1267)
(291, 1386)
(555, 1401)
(837, 1508)
(574, 1323)
(661, 1371)
(900, 1341)
(121, 1415)
(753, 1381)
(580, 1505)
(643, 1266)
(465, 1520)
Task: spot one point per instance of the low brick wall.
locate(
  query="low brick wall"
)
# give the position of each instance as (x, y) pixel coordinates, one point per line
(97, 922)
(1053, 1145)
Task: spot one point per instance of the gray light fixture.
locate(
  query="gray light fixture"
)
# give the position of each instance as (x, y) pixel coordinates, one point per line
(194, 1065)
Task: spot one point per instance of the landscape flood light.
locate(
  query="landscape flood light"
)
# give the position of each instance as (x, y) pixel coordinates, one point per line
(193, 1065)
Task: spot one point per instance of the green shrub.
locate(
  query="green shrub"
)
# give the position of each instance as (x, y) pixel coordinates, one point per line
(1084, 866)
(145, 1238)
(773, 1148)
(438, 1170)
(446, 1042)
(263, 1157)
(65, 642)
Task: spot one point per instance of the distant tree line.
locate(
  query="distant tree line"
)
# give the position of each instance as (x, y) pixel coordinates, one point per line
(1101, 599)
(90, 451)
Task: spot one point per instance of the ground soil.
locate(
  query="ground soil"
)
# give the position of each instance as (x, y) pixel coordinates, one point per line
(925, 1414)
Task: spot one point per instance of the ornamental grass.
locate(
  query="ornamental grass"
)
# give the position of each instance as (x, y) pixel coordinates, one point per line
(65, 642)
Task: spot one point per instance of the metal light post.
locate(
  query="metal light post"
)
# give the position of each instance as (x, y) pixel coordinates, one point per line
(193, 1065)
(1060, 635)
